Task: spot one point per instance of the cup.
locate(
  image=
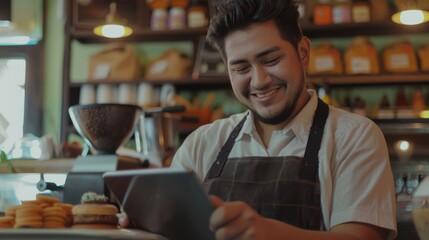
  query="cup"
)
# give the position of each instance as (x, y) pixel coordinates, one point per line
(87, 94)
(106, 93)
(146, 95)
(167, 95)
(127, 94)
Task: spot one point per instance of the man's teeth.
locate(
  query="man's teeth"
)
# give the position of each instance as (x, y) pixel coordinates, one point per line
(266, 94)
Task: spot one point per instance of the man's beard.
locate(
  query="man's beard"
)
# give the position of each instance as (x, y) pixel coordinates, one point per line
(285, 114)
(282, 116)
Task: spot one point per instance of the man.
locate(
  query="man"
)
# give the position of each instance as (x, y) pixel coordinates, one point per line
(291, 167)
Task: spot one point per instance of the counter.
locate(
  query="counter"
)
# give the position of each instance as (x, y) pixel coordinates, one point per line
(78, 234)
(58, 165)
(63, 165)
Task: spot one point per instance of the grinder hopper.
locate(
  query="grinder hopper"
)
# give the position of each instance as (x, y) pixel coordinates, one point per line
(104, 128)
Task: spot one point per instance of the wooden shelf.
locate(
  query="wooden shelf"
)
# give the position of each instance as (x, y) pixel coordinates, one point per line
(313, 31)
(353, 29)
(369, 79)
(314, 79)
(143, 35)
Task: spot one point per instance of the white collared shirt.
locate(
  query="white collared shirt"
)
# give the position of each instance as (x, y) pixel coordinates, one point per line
(355, 176)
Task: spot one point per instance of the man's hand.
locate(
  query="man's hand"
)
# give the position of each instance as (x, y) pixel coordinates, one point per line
(236, 220)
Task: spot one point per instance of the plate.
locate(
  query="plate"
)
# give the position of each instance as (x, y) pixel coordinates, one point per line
(81, 234)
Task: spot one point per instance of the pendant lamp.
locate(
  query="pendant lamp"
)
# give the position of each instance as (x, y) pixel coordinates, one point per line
(114, 27)
(411, 12)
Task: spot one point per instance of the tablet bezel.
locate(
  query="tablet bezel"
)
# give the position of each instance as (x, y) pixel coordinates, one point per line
(165, 201)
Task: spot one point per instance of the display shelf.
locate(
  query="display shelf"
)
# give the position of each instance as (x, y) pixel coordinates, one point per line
(86, 35)
(80, 29)
(353, 29)
(142, 35)
(369, 79)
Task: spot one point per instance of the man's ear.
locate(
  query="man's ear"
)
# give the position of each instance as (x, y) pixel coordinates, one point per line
(304, 46)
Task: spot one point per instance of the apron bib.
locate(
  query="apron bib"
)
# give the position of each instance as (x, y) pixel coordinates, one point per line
(282, 188)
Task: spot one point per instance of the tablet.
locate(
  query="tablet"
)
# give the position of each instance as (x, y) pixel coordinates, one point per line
(166, 201)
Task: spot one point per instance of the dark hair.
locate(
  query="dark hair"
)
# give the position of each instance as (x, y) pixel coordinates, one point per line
(233, 15)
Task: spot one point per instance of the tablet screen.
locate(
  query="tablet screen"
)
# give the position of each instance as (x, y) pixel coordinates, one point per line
(165, 201)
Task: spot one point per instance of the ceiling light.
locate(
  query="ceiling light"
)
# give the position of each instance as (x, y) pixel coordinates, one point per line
(114, 27)
(411, 12)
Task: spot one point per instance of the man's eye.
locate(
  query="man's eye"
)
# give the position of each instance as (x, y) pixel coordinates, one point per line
(242, 70)
(272, 61)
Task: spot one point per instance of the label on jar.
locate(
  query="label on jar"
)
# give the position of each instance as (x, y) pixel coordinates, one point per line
(341, 14)
(400, 61)
(361, 14)
(159, 19)
(360, 65)
(197, 19)
(177, 18)
(324, 63)
(322, 15)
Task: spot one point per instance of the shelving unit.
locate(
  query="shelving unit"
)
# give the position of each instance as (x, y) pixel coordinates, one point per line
(74, 31)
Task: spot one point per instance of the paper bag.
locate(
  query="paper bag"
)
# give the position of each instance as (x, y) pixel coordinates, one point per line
(171, 65)
(118, 61)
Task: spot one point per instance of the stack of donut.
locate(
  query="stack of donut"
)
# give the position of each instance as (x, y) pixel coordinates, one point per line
(44, 212)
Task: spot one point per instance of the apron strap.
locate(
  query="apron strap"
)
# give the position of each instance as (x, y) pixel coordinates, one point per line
(310, 164)
(222, 157)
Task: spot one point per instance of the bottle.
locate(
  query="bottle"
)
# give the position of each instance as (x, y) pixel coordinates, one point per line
(177, 14)
(385, 110)
(401, 99)
(359, 106)
(197, 14)
(418, 101)
(361, 11)
(341, 12)
(322, 12)
(346, 104)
(159, 17)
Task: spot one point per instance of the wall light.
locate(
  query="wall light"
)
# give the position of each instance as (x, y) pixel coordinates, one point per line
(411, 12)
(114, 26)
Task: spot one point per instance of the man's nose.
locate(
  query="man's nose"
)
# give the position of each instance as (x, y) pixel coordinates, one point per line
(260, 77)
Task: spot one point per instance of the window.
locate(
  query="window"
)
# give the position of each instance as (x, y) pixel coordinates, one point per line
(20, 93)
(21, 64)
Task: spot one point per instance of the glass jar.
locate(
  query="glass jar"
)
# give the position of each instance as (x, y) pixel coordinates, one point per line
(420, 211)
(159, 19)
(361, 11)
(322, 12)
(197, 14)
(177, 18)
(341, 11)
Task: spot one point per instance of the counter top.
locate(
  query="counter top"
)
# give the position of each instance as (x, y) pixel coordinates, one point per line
(81, 234)
(58, 165)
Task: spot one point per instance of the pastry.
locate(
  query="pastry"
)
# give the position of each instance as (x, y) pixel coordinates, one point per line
(95, 213)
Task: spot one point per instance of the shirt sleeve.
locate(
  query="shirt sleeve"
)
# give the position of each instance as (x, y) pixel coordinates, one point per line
(362, 183)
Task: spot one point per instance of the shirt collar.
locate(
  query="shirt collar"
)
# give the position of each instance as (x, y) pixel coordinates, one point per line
(301, 123)
(299, 126)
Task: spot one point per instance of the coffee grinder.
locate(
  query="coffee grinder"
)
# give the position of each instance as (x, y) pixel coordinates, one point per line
(104, 128)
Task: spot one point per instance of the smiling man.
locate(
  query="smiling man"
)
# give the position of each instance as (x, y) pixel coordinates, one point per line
(291, 167)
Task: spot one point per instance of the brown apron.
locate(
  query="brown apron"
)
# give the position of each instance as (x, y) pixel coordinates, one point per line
(283, 188)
